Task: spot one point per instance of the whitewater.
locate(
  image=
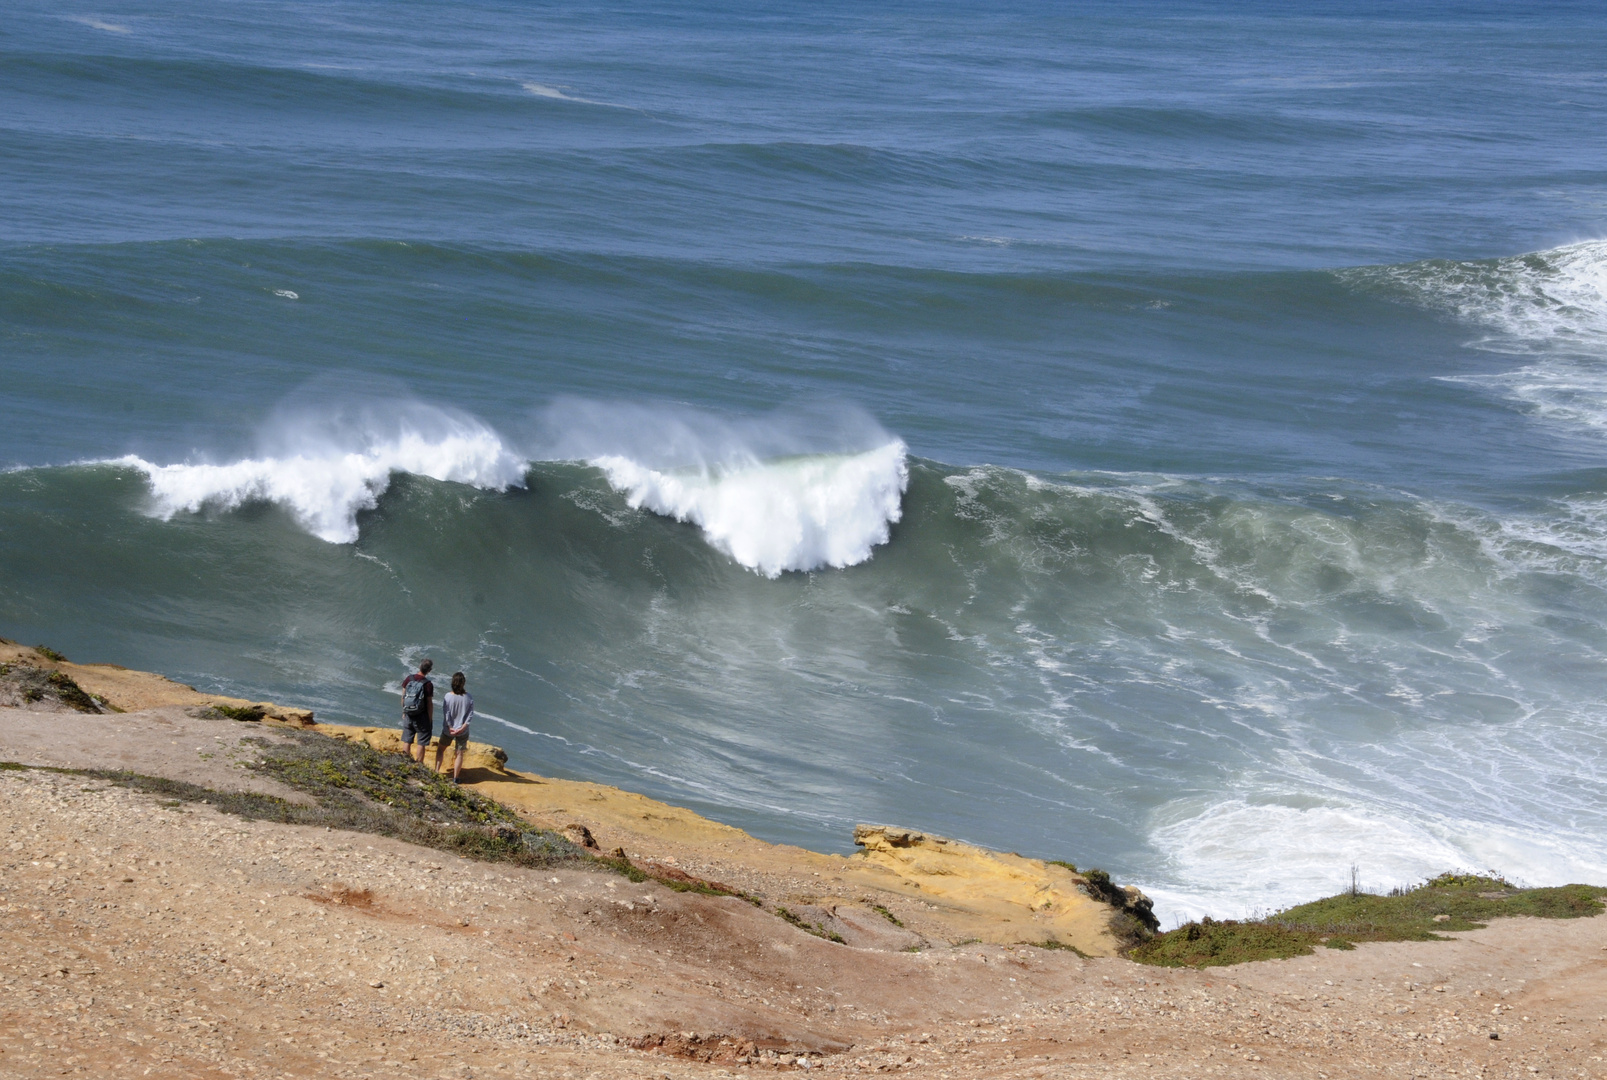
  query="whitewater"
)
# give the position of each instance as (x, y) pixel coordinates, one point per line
(799, 513)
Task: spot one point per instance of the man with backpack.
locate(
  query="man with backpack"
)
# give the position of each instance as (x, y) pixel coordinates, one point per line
(418, 711)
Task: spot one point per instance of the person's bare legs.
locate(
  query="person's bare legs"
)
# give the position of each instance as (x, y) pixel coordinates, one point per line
(457, 762)
(417, 752)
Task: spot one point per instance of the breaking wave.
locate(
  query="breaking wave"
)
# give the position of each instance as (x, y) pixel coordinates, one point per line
(801, 488)
(794, 514)
(769, 509)
(332, 467)
(1551, 305)
(1539, 301)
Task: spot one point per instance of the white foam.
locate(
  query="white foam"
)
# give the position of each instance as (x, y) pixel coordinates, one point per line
(1549, 304)
(1243, 852)
(546, 91)
(325, 484)
(555, 94)
(798, 513)
(97, 24)
(1538, 301)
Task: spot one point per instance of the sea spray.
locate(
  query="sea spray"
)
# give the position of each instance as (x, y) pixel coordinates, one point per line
(336, 475)
(794, 514)
(817, 484)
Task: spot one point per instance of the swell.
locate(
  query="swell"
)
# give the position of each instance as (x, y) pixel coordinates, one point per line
(178, 86)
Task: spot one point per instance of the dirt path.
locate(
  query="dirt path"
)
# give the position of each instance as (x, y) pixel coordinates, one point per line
(143, 938)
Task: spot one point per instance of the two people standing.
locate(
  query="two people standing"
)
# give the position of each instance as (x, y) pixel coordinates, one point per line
(418, 717)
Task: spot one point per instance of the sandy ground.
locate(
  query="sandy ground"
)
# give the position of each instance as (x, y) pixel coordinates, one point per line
(148, 939)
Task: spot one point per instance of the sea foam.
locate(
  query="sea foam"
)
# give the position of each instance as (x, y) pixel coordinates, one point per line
(797, 513)
(1538, 301)
(327, 481)
(1550, 305)
(1274, 854)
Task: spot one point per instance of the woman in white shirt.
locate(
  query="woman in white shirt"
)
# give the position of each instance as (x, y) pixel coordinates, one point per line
(457, 709)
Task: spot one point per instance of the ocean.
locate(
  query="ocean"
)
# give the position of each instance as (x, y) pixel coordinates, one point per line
(1165, 436)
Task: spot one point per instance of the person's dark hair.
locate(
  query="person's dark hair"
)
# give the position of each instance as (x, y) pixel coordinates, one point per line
(425, 665)
(457, 682)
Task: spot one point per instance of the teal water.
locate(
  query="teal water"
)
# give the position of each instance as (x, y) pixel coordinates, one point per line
(1152, 436)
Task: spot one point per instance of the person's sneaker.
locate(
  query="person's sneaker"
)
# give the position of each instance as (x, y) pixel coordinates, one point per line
(455, 780)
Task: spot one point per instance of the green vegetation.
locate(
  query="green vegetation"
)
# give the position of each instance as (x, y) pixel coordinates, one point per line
(808, 927)
(1448, 902)
(1058, 946)
(1062, 862)
(36, 684)
(354, 787)
(241, 712)
(50, 654)
(888, 915)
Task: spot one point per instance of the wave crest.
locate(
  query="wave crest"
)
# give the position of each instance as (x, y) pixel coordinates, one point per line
(1539, 300)
(325, 486)
(798, 513)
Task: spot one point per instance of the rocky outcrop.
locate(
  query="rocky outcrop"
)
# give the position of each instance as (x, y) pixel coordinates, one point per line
(118, 689)
(1010, 897)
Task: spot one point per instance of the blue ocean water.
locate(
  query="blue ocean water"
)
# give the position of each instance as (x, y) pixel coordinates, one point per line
(1155, 435)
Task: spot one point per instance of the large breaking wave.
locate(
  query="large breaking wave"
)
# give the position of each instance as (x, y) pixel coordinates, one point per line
(326, 468)
(765, 492)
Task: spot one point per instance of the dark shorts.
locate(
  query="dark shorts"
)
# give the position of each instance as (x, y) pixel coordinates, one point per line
(417, 726)
(461, 738)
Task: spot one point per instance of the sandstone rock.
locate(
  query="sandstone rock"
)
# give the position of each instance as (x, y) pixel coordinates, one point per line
(580, 835)
(1016, 899)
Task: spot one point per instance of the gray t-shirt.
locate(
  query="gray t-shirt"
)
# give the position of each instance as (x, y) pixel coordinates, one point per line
(456, 711)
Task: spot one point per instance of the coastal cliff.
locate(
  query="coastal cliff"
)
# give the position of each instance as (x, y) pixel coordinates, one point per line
(173, 907)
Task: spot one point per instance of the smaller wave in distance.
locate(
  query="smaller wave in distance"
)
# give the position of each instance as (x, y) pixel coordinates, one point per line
(100, 24)
(1550, 305)
(542, 90)
(1540, 301)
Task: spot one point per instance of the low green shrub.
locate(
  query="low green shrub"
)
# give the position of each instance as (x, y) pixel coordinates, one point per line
(1416, 913)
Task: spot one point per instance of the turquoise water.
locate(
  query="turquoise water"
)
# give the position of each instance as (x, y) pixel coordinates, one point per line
(1157, 437)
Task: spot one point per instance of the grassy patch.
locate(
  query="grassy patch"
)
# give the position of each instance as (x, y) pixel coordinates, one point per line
(809, 927)
(1419, 913)
(240, 712)
(1057, 946)
(50, 654)
(888, 915)
(32, 684)
(356, 788)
